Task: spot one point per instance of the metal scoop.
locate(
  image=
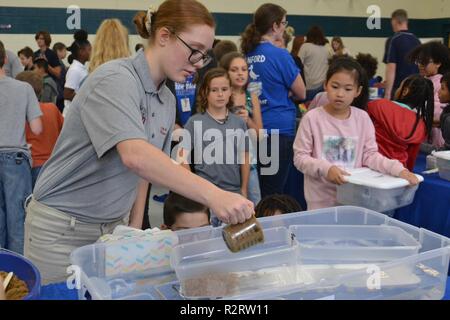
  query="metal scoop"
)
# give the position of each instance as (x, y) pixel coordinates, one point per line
(243, 235)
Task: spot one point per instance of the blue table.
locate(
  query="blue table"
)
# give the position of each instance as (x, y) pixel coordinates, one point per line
(59, 291)
(431, 206)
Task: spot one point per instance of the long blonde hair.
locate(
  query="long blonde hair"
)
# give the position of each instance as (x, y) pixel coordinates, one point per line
(111, 42)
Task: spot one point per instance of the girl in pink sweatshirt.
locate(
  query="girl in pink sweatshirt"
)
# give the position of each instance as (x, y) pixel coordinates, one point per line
(337, 136)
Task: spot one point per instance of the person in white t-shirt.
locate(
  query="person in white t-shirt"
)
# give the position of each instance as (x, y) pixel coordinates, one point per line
(77, 73)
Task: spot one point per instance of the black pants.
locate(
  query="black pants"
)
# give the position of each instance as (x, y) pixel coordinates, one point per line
(275, 183)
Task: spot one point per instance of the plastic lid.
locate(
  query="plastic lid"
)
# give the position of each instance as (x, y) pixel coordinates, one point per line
(370, 178)
(442, 154)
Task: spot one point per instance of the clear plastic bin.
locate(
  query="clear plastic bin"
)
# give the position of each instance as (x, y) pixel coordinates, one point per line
(422, 275)
(95, 283)
(443, 163)
(198, 234)
(361, 244)
(208, 269)
(373, 190)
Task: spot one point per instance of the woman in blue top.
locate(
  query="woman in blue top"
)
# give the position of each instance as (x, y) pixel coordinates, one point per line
(276, 78)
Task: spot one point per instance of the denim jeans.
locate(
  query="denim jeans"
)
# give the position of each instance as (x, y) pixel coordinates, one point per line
(274, 184)
(254, 191)
(15, 187)
(34, 175)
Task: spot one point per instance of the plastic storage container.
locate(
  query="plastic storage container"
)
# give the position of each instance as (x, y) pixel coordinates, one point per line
(431, 162)
(443, 163)
(24, 269)
(362, 244)
(208, 269)
(421, 275)
(97, 278)
(376, 191)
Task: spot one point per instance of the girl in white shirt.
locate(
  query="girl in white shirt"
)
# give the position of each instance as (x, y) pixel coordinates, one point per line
(77, 73)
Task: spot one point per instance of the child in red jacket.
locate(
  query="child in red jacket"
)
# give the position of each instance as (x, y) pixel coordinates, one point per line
(402, 125)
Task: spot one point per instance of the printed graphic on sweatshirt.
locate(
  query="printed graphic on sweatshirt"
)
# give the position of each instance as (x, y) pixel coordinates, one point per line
(341, 151)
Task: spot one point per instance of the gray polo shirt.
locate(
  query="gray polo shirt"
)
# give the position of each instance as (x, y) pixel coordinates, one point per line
(209, 143)
(13, 67)
(18, 105)
(85, 176)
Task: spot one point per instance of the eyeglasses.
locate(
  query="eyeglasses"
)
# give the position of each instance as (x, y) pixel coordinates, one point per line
(196, 55)
(285, 23)
(424, 63)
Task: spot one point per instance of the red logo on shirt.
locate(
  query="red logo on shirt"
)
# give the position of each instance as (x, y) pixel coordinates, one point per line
(143, 114)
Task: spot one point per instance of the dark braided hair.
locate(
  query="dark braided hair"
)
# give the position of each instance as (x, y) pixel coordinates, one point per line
(277, 202)
(81, 41)
(420, 96)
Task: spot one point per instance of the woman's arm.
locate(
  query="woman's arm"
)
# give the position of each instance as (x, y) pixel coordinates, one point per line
(303, 150)
(154, 166)
(255, 122)
(298, 88)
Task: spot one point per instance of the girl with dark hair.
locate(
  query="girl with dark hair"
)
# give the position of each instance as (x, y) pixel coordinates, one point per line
(315, 55)
(273, 76)
(433, 59)
(402, 125)
(337, 137)
(444, 97)
(360, 102)
(77, 73)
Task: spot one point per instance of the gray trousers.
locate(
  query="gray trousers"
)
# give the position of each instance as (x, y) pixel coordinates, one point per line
(51, 236)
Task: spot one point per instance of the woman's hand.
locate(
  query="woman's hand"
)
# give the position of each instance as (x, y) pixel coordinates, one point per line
(231, 208)
(336, 175)
(411, 177)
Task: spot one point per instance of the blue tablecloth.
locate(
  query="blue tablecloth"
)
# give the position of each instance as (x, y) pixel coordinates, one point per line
(431, 206)
(59, 291)
(430, 210)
